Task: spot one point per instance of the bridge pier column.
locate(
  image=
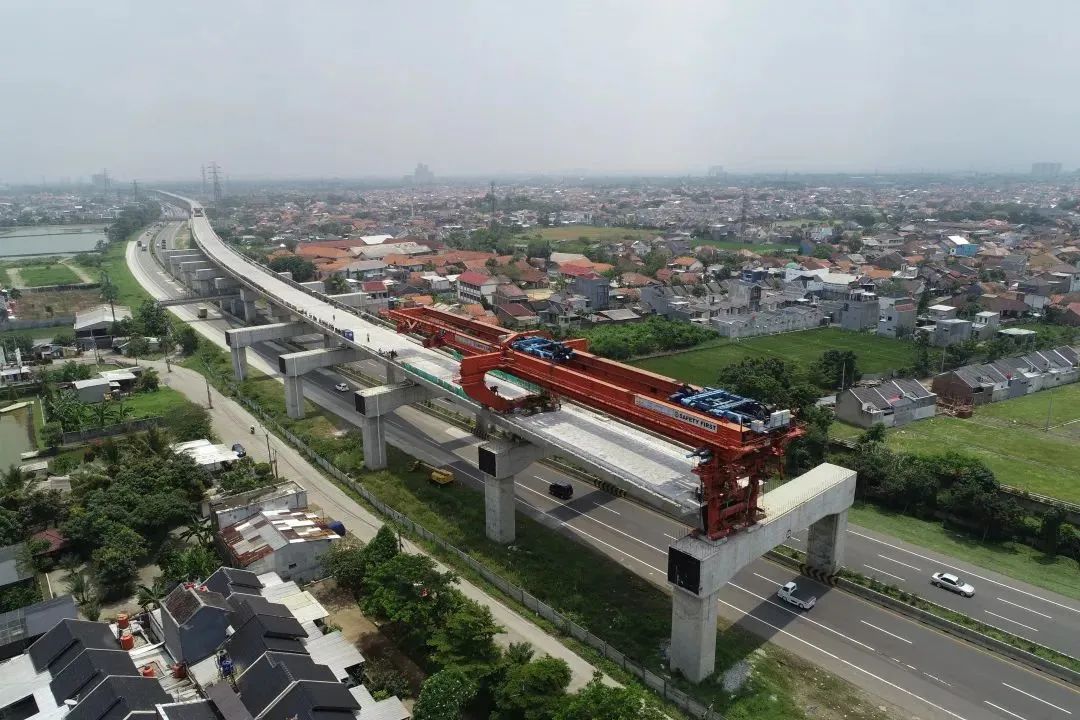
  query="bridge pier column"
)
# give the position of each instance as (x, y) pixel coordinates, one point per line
(500, 461)
(393, 375)
(693, 633)
(483, 424)
(825, 543)
(375, 402)
(374, 443)
(247, 300)
(294, 396)
(328, 340)
(239, 362)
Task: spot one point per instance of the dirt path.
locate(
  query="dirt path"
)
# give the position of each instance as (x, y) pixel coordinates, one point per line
(16, 278)
(83, 275)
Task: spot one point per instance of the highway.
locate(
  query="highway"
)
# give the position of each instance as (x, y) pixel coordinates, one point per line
(903, 662)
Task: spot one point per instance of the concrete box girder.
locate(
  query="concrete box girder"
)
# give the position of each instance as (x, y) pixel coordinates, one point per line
(243, 337)
(299, 363)
(376, 401)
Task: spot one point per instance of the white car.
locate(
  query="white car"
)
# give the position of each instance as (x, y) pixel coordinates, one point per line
(341, 387)
(953, 583)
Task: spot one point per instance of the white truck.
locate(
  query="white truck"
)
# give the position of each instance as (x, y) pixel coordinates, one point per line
(789, 592)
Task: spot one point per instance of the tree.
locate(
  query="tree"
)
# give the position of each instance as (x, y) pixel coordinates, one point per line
(188, 340)
(150, 596)
(532, 691)
(65, 338)
(14, 293)
(52, 434)
(444, 696)
(383, 680)
(11, 530)
(466, 639)
(148, 381)
(769, 380)
(346, 563)
(192, 564)
(138, 346)
(924, 300)
(823, 251)
(538, 248)
(409, 591)
(115, 569)
(335, 285)
(152, 319)
(188, 422)
(302, 270)
(838, 369)
(597, 700)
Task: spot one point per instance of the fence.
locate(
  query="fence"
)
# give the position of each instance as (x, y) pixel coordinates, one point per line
(109, 430)
(55, 321)
(658, 684)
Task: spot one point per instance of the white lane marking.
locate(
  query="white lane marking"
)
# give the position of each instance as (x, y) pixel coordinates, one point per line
(887, 632)
(966, 572)
(871, 567)
(589, 517)
(604, 507)
(775, 582)
(1009, 712)
(605, 544)
(910, 666)
(1036, 697)
(801, 616)
(886, 557)
(1007, 602)
(1012, 621)
(670, 536)
(846, 662)
(934, 677)
(792, 538)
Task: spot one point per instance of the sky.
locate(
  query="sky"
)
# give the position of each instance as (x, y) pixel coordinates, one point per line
(359, 88)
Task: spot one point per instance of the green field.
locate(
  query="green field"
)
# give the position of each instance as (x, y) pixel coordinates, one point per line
(593, 233)
(876, 354)
(55, 274)
(114, 263)
(1010, 437)
(154, 403)
(1012, 559)
(752, 247)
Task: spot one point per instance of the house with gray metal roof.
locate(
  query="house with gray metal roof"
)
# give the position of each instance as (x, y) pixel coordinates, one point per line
(891, 403)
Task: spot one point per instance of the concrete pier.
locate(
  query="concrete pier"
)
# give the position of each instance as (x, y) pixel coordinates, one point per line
(294, 365)
(500, 461)
(375, 402)
(238, 339)
(698, 567)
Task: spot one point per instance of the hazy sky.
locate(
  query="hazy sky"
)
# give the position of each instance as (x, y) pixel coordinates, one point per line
(356, 87)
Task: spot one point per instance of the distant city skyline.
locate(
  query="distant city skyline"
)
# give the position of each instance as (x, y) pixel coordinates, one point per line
(353, 89)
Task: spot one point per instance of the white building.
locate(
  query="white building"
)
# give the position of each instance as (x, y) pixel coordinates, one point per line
(288, 542)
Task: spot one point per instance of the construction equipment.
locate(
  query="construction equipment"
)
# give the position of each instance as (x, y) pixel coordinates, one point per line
(439, 476)
(736, 442)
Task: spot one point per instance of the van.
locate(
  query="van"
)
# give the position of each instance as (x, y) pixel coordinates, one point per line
(561, 490)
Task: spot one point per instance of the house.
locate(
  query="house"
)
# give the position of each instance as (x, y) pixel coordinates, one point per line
(93, 327)
(210, 457)
(92, 390)
(288, 542)
(594, 288)
(22, 627)
(517, 316)
(986, 324)
(892, 403)
(1009, 377)
(896, 317)
(475, 287)
(961, 246)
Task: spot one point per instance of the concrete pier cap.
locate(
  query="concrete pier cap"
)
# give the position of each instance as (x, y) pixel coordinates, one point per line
(375, 402)
(500, 461)
(698, 567)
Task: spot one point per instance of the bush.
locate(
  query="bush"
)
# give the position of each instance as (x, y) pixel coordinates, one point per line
(52, 434)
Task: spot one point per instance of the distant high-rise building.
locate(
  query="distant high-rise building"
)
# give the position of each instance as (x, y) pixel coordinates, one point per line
(1045, 169)
(422, 175)
(100, 180)
(716, 171)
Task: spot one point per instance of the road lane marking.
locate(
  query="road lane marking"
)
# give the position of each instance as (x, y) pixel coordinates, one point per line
(887, 632)
(898, 562)
(777, 582)
(965, 572)
(850, 664)
(934, 677)
(671, 536)
(1036, 697)
(871, 567)
(603, 507)
(801, 616)
(598, 522)
(1007, 602)
(1012, 621)
(1009, 712)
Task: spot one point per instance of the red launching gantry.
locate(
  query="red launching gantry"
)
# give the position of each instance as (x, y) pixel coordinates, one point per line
(737, 439)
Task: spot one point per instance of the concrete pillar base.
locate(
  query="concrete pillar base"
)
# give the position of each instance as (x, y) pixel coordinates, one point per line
(328, 341)
(374, 443)
(693, 634)
(499, 519)
(239, 362)
(825, 543)
(294, 397)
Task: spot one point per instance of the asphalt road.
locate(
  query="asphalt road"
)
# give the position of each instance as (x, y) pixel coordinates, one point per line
(905, 663)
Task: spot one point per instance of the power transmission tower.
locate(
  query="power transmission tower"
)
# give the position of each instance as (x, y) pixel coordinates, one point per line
(134, 188)
(204, 181)
(215, 179)
(493, 204)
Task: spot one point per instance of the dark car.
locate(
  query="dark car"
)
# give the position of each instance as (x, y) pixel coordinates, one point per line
(239, 450)
(561, 490)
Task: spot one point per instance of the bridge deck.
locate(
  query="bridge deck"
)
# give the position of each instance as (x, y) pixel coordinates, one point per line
(653, 469)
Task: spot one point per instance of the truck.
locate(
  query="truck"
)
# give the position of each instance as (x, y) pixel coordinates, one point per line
(789, 592)
(437, 475)
(202, 312)
(348, 334)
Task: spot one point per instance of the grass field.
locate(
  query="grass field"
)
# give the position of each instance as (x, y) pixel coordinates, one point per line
(876, 354)
(55, 274)
(752, 247)
(1010, 437)
(592, 233)
(156, 403)
(1013, 559)
(115, 264)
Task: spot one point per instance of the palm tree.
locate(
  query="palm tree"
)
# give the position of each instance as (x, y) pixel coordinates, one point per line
(79, 587)
(12, 481)
(157, 441)
(199, 530)
(149, 597)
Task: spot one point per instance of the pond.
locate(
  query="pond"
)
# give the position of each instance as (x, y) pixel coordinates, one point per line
(16, 435)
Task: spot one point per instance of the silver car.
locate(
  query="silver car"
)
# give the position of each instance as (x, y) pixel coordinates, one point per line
(953, 583)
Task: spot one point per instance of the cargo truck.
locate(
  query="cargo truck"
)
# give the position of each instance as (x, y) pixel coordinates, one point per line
(789, 592)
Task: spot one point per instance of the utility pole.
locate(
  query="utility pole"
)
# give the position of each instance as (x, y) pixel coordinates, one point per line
(1049, 410)
(209, 399)
(492, 204)
(204, 181)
